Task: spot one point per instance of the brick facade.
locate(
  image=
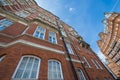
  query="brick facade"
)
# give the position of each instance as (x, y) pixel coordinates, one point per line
(110, 42)
(18, 40)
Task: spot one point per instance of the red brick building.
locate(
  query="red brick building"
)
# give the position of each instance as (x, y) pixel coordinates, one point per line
(110, 42)
(36, 45)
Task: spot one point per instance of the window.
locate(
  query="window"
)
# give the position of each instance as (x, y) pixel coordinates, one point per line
(105, 25)
(87, 62)
(52, 37)
(118, 63)
(63, 33)
(40, 32)
(94, 63)
(54, 70)
(80, 74)
(5, 23)
(22, 14)
(3, 2)
(99, 65)
(2, 57)
(69, 48)
(30, 10)
(27, 68)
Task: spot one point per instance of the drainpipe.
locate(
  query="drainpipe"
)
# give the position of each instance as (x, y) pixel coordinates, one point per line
(82, 63)
(70, 59)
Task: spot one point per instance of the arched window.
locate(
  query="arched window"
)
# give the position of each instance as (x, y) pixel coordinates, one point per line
(80, 74)
(54, 70)
(2, 57)
(28, 68)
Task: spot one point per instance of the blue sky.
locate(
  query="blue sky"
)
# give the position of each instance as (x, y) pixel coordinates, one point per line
(84, 15)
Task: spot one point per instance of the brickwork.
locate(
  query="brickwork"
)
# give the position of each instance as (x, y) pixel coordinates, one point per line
(18, 40)
(110, 42)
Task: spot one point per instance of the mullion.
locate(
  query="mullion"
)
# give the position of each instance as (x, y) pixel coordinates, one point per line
(32, 68)
(25, 67)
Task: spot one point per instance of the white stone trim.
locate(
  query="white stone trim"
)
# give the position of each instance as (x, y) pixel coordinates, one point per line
(20, 63)
(6, 35)
(2, 57)
(87, 62)
(32, 44)
(25, 30)
(74, 60)
(61, 72)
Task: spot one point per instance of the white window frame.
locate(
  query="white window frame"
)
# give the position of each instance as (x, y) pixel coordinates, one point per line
(52, 37)
(94, 63)
(69, 48)
(40, 32)
(60, 69)
(63, 33)
(81, 73)
(99, 64)
(87, 62)
(4, 25)
(2, 57)
(22, 14)
(118, 63)
(20, 63)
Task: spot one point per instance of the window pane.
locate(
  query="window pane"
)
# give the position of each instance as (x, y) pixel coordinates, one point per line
(36, 61)
(36, 34)
(40, 32)
(41, 36)
(52, 37)
(33, 74)
(80, 74)
(28, 68)
(2, 27)
(22, 14)
(49, 75)
(4, 23)
(59, 75)
(54, 71)
(35, 66)
(31, 60)
(22, 65)
(19, 73)
(26, 74)
(54, 75)
(69, 48)
(39, 28)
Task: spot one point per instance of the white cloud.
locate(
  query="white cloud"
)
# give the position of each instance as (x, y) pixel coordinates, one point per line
(71, 9)
(101, 56)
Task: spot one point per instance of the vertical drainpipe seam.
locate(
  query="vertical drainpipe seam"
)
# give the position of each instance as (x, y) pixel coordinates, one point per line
(70, 60)
(81, 63)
